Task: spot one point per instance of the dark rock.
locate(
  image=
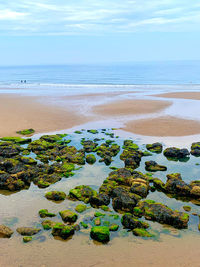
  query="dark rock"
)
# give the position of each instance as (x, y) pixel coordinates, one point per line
(154, 166)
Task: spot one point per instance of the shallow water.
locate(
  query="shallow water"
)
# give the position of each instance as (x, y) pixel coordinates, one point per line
(21, 209)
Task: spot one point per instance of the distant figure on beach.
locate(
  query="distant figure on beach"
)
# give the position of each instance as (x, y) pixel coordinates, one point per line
(23, 81)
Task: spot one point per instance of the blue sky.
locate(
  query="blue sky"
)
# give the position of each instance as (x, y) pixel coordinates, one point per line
(98, 31)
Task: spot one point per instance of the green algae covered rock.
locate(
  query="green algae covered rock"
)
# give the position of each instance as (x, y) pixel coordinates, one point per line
(154, 166)
(100, 233)
(155, 147)
(82, 193)
(63, 231)
(68, 216)
(90, 159)
(113, 227)
(81, 208)
(55, 195)
(5, 231)
(26, 131)
(27, 239)
(92, 131)
(44, 213)
(142, 232)
(129, 221)
(97, 221)
(16, 140)
(48, 224)
(84, 225)
(163, 214)
(187, 208)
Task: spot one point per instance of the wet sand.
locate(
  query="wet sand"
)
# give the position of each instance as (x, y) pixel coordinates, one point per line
(131, 107)
(125, 252)
(163, 126)
(181, 95)
(22, 112)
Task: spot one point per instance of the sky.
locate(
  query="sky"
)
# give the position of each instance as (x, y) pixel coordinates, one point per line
(98, 31)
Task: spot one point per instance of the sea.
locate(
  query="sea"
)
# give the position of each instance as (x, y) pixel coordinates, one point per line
(123, 76)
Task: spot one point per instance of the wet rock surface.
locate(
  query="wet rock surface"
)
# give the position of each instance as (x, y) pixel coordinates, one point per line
(105, 210)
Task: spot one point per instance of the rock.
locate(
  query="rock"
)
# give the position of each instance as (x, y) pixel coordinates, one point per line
(140, 187)
(90, 159)
(28, 231)
(48, 224)
(63, 231)
(81, 208)
(99, 200)
(84, 225)
(97, 221)
(195, 149)
(113, 227)
(154, 166)
(5, 231)
(44, 213)
(158, 184)
(155, 147)
(99, 214)
(89, 146)
(68, 216)
(27, 239)
(128, 144)
(16, 140)
(187, 208)
(173, 152)
(142, 232)
(163, 214)
(100, 233)
(176, 185)
(82, 193)
(124, 202)
(26, 131)
(129, 221)
(55, 195)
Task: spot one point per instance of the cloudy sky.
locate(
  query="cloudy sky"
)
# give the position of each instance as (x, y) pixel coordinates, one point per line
(92, 31)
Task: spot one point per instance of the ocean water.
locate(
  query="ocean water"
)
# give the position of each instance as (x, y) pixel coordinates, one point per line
(144, 73)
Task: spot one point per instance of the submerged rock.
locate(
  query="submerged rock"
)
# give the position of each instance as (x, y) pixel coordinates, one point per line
(100, 233)
(142, 232)
(5, 231)
(28, 231)
(55, 195)
(81, 208)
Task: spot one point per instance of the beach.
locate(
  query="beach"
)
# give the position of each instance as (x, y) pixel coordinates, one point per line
(133, 114)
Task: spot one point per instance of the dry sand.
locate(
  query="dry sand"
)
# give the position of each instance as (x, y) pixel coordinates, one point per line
(131, 107)
(163, 126)
(20, 112)
(182, 95)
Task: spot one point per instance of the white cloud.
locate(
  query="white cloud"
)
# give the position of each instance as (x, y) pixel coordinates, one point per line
(7, 14)
(93, 16)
